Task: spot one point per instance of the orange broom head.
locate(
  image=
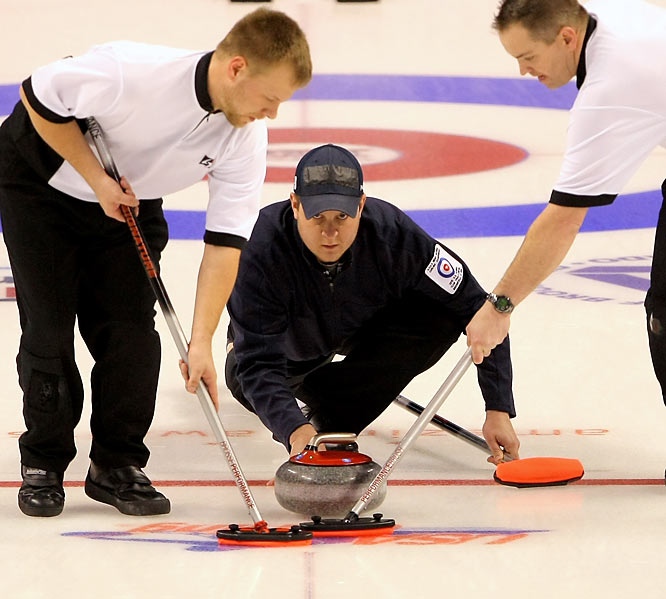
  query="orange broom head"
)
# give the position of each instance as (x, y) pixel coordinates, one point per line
(539, 472)
(260, 535)
(349, 526)
(265, 542)
(355, 532)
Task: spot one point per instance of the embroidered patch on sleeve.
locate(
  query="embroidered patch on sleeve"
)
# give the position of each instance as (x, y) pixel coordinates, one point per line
(445, 270)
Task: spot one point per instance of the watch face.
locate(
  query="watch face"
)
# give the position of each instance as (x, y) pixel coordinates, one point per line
(503, 304)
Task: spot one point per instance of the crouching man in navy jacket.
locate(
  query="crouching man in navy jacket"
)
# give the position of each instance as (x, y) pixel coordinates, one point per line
(331, 272)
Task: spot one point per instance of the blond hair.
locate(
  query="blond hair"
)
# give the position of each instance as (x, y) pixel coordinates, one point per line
(266, 38)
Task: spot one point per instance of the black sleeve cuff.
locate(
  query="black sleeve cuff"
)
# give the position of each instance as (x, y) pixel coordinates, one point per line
(224, 239)
(495, 375)
(39, 108)
(575, 201)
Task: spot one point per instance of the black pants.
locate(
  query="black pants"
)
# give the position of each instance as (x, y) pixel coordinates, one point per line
(655, 301)
(70, 261)
(403, 340)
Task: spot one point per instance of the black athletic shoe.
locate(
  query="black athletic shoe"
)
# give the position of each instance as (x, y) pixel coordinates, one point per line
(41, 493)
(127, 489)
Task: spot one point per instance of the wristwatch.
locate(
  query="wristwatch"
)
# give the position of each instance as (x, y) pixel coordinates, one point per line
(501, 303)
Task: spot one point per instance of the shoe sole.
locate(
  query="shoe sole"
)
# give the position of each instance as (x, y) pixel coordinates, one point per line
(143, 507)
(40, 512)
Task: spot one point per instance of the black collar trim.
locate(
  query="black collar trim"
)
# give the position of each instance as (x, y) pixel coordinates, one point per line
(582, 64)
(201, 83)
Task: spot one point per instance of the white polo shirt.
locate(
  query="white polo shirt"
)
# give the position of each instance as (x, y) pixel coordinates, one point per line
(153, 105)
(619, 115)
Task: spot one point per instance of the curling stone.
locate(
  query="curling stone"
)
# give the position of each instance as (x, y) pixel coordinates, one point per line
(327, 483)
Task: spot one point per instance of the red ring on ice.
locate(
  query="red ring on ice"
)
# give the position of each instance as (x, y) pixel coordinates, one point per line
(392, 154)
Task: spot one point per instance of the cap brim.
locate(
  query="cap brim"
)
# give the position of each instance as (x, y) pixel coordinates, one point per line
(313, 205)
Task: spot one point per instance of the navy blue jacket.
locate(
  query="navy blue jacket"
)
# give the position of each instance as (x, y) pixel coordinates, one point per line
(285, 309)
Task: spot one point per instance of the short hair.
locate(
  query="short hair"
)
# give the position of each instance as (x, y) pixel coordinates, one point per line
(266, 38)
(543, 19)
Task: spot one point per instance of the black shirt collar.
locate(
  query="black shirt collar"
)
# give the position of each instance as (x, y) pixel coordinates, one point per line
(582, 64)
(201, 83)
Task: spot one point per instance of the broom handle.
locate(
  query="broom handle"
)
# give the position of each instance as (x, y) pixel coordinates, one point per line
(444, 424)
(421, 422)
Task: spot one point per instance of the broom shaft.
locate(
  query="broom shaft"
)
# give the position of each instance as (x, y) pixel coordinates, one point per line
(421, 422)
(444, 424)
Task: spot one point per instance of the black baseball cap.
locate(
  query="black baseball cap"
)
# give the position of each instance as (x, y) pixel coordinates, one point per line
(329, 177)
